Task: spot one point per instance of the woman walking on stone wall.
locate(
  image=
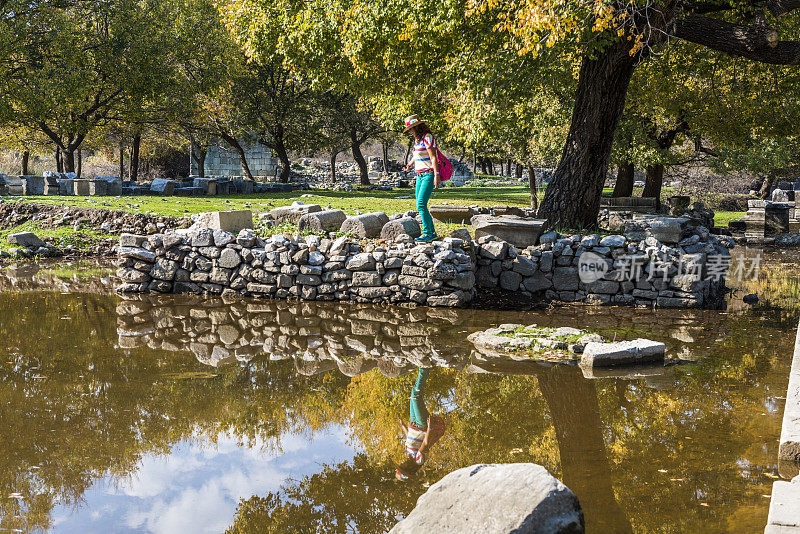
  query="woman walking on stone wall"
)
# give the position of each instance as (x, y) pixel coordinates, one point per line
(426, 166)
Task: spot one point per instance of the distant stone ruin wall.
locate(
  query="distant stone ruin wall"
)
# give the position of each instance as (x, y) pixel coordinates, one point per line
(685, 269)
(222, 161)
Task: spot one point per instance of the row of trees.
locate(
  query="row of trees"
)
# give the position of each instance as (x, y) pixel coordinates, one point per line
(575, 85)
(580, 87)
(103, 74)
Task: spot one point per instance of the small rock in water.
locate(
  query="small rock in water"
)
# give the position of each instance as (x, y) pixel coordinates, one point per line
(751, 299)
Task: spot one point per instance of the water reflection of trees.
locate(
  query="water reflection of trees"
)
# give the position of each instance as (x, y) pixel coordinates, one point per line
(99, 408)
(75, 409)
(690, 450)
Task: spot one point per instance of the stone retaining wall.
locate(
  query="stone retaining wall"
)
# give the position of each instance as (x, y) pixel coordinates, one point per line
(676, 266)
(311, 268)
(687, 272)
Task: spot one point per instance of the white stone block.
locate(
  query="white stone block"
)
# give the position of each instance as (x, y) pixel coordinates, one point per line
(638, 351)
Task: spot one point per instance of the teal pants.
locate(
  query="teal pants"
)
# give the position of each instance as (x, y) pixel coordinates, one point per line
(418, 413)
(423, 192)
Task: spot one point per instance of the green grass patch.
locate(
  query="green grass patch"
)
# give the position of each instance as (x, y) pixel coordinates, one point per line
(62, 236)
(393, 201)
(722, 218)
(351, 202)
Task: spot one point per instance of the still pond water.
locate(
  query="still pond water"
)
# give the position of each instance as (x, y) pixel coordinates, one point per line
(199, 415)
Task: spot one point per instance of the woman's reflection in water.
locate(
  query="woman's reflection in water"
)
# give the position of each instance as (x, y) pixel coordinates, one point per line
(422, 431)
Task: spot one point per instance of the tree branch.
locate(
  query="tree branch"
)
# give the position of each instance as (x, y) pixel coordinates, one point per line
(752, 42)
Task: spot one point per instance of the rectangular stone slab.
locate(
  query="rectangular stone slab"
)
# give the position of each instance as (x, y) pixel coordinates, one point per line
(15, 186)
(209, 185)
(776, 219)
(80, 187)
(33, 185)
(98, 188)
(65, 187)
(162, 187)
(452, 214)
(636, 352)
(784, 506)
(789, 449)
(230, 221)
(521, 232)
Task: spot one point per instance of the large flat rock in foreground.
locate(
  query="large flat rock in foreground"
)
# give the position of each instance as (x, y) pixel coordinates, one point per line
(790, 432)
(784, 508)
(452, 214)
(496, 498)
(521, 232)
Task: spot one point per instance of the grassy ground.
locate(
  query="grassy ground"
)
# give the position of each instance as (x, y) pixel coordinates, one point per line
(349, 201)
(722, 218)
(64, 236)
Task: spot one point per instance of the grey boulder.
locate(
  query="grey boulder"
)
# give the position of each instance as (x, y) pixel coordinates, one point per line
(27, 240)
(321, 221)
(496, 498)
(365, 226)
(401, 226)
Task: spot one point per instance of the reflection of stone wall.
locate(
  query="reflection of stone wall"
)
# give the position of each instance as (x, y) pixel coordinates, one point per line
(221, 161)
(57, 276)
(319, 337)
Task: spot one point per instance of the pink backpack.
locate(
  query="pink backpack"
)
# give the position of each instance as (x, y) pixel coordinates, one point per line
(445, 167)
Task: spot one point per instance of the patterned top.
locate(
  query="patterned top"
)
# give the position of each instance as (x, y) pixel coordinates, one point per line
(422, 160)
(414, 440)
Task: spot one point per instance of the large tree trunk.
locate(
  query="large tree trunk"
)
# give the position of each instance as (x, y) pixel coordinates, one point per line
(766, 186)
(474, 163)
(134, 167)
(68, 159)
(490, 165)
(624, 185)
(237, 147)
(385, 153)
(533, 188)
(355, 148)
(652, 184)
(121, 160)
(25, 158)
(585, 468)
(572, 199)
(79, 163)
